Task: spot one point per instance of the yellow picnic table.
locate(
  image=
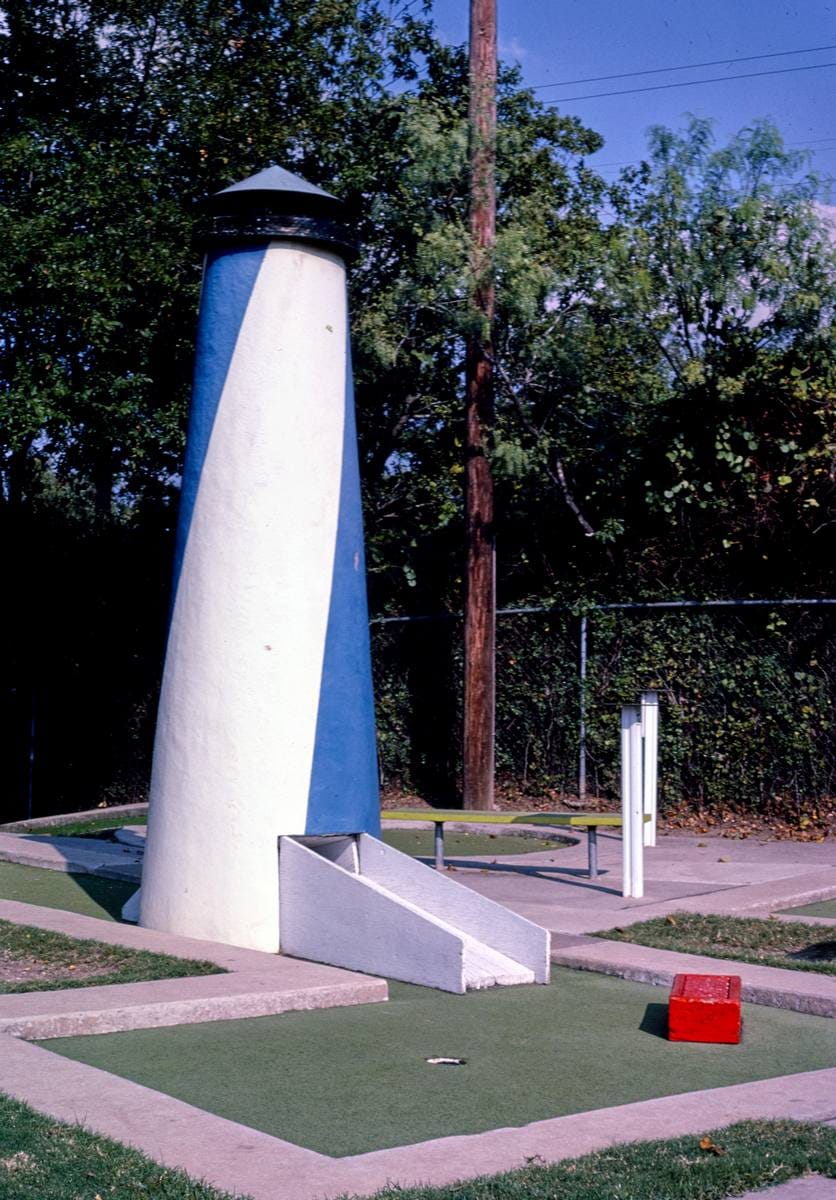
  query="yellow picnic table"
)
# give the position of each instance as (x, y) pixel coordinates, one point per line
(591, 822)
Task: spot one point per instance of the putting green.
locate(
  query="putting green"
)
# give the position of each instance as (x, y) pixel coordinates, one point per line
(347, 1080)
(85, 894)
(824, 908)
(419, 843)
(92, 825)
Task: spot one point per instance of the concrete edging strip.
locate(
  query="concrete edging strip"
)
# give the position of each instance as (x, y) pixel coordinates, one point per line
(776, 987)
(255, 984)
(116, 1008)
(87, 814)
(244, 1161)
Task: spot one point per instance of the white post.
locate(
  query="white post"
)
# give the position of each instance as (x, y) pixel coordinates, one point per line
(636, 808)
(631, 800)
(650, 733)
(625, 801)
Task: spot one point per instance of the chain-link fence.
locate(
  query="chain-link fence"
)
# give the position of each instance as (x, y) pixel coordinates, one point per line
(746, 693)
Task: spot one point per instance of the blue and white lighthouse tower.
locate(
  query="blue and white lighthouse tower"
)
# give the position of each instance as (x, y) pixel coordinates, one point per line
(264, 808)
(266, 720)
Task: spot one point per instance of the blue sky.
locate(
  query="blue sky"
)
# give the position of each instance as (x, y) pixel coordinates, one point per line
(558, 40)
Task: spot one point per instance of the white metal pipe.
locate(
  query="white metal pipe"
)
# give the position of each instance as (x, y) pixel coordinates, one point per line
(650, 733)
(636, 808)
(629, 714)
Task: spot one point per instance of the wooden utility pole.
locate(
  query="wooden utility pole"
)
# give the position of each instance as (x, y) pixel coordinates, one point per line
(480, 601)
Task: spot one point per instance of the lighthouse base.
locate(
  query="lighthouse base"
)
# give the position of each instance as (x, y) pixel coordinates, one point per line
(354, 902)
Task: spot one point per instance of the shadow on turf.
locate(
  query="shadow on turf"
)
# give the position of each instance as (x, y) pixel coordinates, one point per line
(655, 1021)
(573, 876)
(110, 894)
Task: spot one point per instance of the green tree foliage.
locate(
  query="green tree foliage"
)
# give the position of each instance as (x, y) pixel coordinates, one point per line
(116, 119)
(410, 309)
(680, 386)
(664, 347)
(721, 257)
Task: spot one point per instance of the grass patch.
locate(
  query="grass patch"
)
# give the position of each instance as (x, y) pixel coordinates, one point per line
(769, 943)
(824, 908)
(89, 895)
(38, 960)
(588, 1041)
(42, 1159)
(745, 1156)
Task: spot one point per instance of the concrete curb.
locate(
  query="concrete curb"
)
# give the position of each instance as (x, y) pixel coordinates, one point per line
(821, 922)
(242, 1160)
(753, 899)
(88, 814)
(192, 1000)
(256, 984)
(765, 897)
(74, 856)
(776, 987)
(806, 1187)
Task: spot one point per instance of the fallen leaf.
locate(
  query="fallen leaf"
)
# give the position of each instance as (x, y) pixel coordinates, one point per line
(709, 1146)
(723, 860)
(670, 921)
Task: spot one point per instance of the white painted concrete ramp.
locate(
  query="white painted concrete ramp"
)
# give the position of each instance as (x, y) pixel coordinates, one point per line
(355, 902)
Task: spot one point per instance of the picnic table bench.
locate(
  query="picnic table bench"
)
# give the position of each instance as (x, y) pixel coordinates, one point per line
(591, 822)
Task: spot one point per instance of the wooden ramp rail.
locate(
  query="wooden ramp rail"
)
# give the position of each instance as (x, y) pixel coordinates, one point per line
(591, 822)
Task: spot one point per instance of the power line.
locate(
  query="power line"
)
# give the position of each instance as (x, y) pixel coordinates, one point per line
(632, 162)
(662, 87)
(717, 62)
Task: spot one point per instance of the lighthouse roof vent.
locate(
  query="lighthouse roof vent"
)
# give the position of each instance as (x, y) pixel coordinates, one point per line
(276, 204)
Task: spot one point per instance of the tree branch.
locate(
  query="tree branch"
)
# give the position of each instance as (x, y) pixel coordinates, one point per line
(557, 472)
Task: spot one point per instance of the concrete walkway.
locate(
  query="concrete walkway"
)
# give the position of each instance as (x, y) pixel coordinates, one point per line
(75, 855)
(687, 873)
(806, 1187)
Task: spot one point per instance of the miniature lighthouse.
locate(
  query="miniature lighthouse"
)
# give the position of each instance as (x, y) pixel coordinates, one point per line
(266, 721)
(264, 808)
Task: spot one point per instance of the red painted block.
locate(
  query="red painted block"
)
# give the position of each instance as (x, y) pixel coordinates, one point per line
(704, 1008)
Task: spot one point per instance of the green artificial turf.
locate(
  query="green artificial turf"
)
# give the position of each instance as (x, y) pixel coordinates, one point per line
(420, 843)
(86, 894)
(824, 908)
(41, 1159)
(90, 825)
(347, 1080)
(45, 953)
(769, 943)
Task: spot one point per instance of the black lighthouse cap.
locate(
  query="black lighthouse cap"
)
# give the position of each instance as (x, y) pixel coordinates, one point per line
(277, 204)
